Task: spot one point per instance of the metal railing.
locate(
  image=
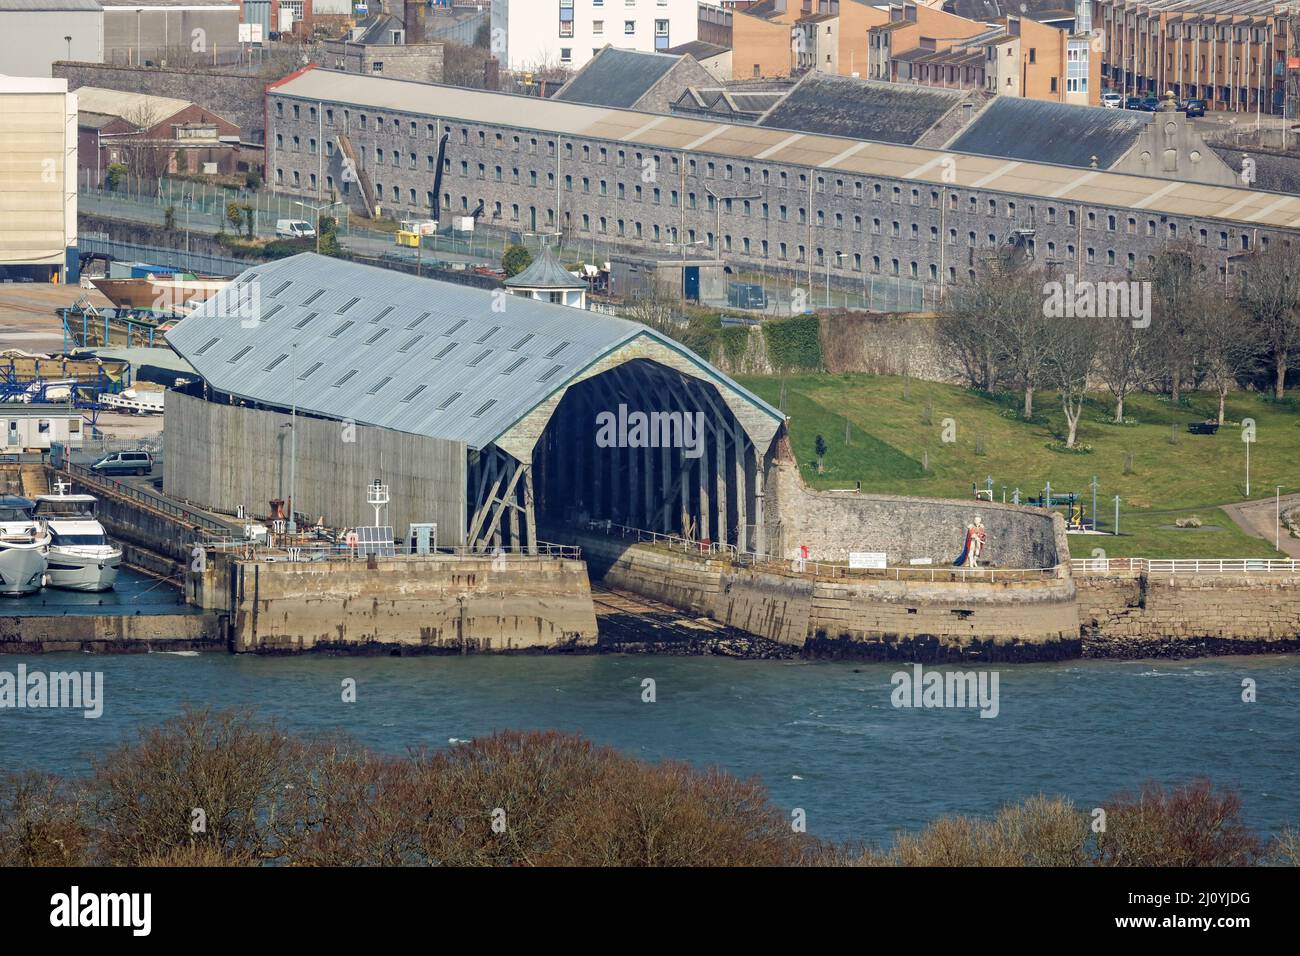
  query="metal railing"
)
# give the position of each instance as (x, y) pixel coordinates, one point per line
(820, 569)
(282, 548)
(1185, 565)
(147, 498)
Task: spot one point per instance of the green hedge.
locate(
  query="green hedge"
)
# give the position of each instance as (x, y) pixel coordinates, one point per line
(794, 344)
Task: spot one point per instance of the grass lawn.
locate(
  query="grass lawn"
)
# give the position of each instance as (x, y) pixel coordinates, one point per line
(889, 438)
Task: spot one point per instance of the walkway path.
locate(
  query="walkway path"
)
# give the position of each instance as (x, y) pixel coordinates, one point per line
(1258, 519)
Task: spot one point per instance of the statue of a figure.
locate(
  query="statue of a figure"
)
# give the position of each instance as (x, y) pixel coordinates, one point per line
(973, 549)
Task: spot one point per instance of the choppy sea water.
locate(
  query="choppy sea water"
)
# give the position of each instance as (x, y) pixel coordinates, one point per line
(823, 736)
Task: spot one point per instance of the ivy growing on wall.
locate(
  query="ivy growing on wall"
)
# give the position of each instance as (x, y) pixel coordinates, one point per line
(793, 344)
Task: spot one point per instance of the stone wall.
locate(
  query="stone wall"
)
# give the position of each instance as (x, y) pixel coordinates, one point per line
(884, 345)
(1142, 615)
(834, 523)
(236, 96)
(110, 633)
(403, 605)
(872, 617)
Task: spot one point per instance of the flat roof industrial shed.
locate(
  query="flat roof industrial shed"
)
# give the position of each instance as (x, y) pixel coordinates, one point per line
(489, 413)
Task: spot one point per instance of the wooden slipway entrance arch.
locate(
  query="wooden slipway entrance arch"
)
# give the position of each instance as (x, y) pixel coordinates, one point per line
(696, 469)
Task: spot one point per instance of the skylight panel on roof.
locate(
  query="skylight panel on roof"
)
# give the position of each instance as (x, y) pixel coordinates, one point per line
(558, 349)
(455, 326)
(347, 305)
(377, 336)
(346, 377)
(414, 393)
(270, 366)
(305, 320)
(487, 335)
(522, 342)
(446, 350)
(449, 401)
(341, 329)
(549, 372)
(411, 343)
(240, 354)
(315, 366)
(418, 321)
(473, 363)
(387, 311)
(280, 288)
(484, 407)
(205, 346)
(313, 297)
(375, 389)
(514, 366)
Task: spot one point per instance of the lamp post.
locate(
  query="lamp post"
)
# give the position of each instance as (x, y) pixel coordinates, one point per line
(838, 257)
(316, 210)
(1277, 518)
(68, 41)
(293, 438)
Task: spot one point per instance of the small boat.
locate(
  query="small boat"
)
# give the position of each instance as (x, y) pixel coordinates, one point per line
(81, 557)
(164, 292)
(23, 545)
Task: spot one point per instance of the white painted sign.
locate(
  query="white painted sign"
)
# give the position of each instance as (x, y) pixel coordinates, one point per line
(250, 33)
(866, 559)
(921, 561)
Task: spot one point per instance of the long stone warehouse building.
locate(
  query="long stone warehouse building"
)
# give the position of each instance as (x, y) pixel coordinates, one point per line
(784, 201)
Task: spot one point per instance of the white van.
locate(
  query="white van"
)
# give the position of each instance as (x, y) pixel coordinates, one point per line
(294, 229)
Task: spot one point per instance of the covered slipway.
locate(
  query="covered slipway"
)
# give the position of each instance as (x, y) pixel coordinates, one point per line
(502, 398)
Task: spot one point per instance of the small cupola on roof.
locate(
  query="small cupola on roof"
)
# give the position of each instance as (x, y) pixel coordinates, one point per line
(549, 281)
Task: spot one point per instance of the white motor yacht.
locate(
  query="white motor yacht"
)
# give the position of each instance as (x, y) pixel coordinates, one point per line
(81, 557)
(23, 544)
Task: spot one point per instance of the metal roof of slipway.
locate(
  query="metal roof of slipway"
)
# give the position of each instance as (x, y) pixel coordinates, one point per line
(380, 347)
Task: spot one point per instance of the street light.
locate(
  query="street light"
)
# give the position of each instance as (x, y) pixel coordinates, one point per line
(68, 41)
(1277, 518)
(292, 526)
(317, 211)
(838, 257)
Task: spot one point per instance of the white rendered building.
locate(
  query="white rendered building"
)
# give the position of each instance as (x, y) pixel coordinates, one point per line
(530, 34)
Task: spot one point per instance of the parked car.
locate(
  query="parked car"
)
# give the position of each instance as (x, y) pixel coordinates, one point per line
(1192, 107)
(294, 229)
(1112, 101)
(123, 463)
(1133, 103)
(1149, 104)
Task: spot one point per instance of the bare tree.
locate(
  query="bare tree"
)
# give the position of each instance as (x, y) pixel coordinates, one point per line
(1123, 356)
(146, 158)
(1071, 360)
(1179, 290)
(1270, 297)
(964, 333)
(1227, 349)
(1021, 333)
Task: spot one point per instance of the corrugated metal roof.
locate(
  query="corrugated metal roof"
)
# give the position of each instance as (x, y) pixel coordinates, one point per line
(385, 348)
(545, 272)
(838, 154)
(95, 99)
(62, 6)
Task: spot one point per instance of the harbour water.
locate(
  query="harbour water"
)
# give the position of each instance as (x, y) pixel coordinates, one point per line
(822, 736)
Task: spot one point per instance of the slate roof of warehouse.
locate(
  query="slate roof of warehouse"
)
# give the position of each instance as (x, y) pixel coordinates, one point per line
(1016, 128)
(832, 153)
(617, 77)
(385, 348)
(861, 109)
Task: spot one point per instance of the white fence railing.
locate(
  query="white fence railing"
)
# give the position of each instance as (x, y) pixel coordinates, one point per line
(1185, 565)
